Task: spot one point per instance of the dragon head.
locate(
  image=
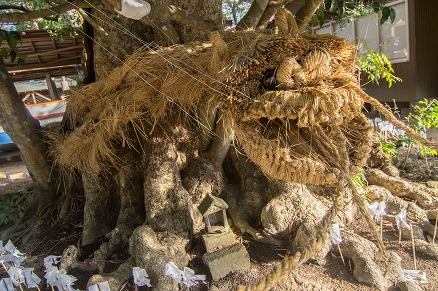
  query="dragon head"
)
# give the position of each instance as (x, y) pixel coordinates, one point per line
(284, 93)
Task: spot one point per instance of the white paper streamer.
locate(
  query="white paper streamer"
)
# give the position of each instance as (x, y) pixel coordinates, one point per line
(187, 276)
(32, 280)
(141, 277)
(11, 255)
(172, 271)
(190, 279)
(377, 210)
(59, 279)
(135, 9)
(10, 248)
(6, 284)
(335, 234)
(401, 220)
(50, 261)
(16, 275)
(415, 276)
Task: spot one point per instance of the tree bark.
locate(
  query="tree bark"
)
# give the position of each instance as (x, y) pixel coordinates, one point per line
(25, 132)
(253, 16)
(305, 13)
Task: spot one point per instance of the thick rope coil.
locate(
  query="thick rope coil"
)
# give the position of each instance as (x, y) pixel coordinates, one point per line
(288, 73)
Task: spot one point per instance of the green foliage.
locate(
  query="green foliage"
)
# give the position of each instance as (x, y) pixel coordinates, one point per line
(11, 208)
(58, 29)
(388, 148)
(12, 39)
(360, 181)
(377, 66)
(58, 25)
(344, 11)
(424, 117)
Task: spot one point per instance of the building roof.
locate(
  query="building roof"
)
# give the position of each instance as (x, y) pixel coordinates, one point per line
(45, 54)
(209, 203)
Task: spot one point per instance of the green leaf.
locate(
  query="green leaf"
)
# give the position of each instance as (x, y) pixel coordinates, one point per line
(328, 5)
(385, 14)
(376, 6)
(15, 35)
(13, 55)
(321, 19)
(392, 15)
(4, 35)
(12, 42)
(5, 53)
(21, 61)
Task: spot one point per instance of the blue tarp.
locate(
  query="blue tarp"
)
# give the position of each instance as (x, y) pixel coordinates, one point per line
(4, 138)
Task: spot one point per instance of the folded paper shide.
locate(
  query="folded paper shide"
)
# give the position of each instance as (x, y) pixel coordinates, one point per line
(415, 276)
(186, 277)
(141, 278)
(401, 220)
(55, 277)
(335, 234)
(135, 9)
(377, 210)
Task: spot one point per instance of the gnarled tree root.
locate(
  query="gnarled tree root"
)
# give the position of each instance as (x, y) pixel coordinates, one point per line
(402, 188)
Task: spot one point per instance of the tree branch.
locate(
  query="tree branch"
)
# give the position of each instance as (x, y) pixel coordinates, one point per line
(43, 13)
(252, 17)
(305, 13)
(273, 6)
(15, 7)
(170, 12)
(158, 13)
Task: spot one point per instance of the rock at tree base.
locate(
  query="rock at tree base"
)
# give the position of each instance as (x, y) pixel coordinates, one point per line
(226, 260)
(408, 286)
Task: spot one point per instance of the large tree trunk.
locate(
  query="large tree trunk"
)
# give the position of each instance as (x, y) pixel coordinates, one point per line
(26, 133)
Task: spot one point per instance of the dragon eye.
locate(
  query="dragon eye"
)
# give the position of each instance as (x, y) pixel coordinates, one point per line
(268, 80)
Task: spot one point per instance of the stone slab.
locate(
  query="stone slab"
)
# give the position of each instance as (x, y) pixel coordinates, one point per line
(227, 260)
(214, 242)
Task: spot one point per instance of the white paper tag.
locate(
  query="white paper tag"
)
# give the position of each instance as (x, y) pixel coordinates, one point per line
(135, 9)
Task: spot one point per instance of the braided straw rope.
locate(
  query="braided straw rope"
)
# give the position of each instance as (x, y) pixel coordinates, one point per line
(289, 67)
(285, 21)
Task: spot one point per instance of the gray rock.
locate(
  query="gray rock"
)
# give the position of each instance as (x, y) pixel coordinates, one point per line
(226, 260)
(408, 286)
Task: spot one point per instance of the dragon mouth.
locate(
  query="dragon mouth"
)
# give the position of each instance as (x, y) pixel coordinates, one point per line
(281, 141)
(284, 151)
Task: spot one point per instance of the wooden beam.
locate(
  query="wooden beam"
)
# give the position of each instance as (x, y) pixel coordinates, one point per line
(40, 74)
(58, 63)
(77, 48)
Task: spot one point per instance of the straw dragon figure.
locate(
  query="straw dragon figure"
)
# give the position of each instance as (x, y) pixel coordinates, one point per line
(159, 128)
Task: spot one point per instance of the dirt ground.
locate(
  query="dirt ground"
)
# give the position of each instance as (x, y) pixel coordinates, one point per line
(327, 273)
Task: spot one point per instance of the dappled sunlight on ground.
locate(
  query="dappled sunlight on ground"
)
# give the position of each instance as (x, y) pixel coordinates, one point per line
(18, 181)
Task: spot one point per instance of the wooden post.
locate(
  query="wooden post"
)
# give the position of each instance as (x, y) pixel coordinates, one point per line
(52, 88)
(434, 229)
(413, 247)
